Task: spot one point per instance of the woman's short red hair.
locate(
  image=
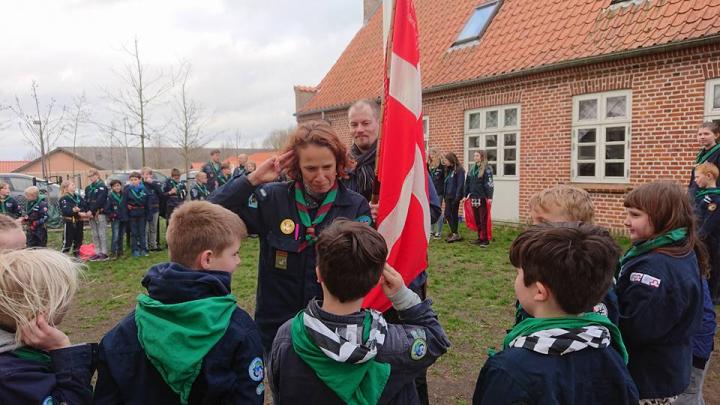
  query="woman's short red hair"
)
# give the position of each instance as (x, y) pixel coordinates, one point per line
(318, 133)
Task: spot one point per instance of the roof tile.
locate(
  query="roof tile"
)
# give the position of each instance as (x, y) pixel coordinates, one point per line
(522, 35)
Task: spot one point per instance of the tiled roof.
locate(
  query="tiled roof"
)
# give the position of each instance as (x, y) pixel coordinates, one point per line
(7, 166)
(523, 35)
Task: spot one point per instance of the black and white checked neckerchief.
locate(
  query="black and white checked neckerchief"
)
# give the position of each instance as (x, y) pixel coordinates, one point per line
(560, 341)
(348, 348)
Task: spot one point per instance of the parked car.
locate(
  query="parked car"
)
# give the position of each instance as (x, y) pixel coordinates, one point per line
(190, 180)
(18, 182)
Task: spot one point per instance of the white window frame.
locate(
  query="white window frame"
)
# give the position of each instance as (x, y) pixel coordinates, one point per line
(711, 114)
(500, 131)
(600, 124)
(426, 133)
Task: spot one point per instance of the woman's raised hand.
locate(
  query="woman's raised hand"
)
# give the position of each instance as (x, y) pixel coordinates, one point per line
(269, 170)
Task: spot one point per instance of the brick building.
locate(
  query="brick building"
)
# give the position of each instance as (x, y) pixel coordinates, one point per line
(600, 94)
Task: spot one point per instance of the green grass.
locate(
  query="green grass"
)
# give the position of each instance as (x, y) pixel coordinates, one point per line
(471, 288)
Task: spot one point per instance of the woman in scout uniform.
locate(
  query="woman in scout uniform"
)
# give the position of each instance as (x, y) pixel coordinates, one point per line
(708, 137)
(289, 216)
(74, 211)
(479, 188)
(659, 289)
(453, 193)
(8, 205)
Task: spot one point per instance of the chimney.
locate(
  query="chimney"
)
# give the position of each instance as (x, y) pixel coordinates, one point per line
(369, 8)
(303, 94)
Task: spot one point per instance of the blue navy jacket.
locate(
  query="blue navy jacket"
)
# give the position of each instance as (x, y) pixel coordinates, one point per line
(10, 207)
(292, 381)
(197, 193)
(96, 197)
(706, 211)
(454, 183)
(522, 376)
(126, 376)
(481, 186)
(67, 203)
(286, 277)
(704, 340)
(692, 187)
(114, 209)
(37, 214)
(65, 380)
(136, 206)
(175, 200)
(239, 171)
(153, 190)
(437, 177)
(661, 303)
(212, 175)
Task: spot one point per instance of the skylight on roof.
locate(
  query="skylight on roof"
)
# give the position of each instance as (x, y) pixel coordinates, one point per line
(477, 23)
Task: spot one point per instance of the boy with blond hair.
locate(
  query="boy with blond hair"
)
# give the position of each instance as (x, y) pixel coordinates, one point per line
(187, 340)
(562, 204)
(35, 217)
(199, 190)
(12, 236)
(563, 354)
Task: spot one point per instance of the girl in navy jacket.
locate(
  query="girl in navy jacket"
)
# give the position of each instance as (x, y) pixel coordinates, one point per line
(479, 187)
(453, 194)
(73, 209)
(659, 289)
(37, 363)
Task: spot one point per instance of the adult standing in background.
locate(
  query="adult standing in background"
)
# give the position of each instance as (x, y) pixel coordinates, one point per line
(242, 161)
(437, 172)
(479, 188)
(212, 170)
(453, 194)
(363, 119)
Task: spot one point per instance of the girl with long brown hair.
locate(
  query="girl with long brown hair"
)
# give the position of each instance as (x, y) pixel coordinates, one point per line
(453, 194)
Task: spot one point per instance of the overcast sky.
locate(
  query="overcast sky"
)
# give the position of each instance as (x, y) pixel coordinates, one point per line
(245, 54)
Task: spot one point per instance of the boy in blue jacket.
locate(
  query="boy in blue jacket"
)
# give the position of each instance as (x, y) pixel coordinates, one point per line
(8, 205)
(153, 190)
(96, 194)
(136, 206)
(565, 354)
(117, 216)
(187, 342)
(334, 352)
(35, 217)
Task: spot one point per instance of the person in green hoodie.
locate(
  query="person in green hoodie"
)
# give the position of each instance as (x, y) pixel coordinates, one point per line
(187, 342)
(335, 352)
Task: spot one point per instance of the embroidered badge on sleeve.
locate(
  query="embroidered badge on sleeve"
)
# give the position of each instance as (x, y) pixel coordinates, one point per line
(646, 279)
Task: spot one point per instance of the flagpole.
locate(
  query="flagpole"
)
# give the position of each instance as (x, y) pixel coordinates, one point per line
(387, 45)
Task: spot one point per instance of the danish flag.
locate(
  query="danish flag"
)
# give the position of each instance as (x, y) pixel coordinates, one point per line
(404, 211)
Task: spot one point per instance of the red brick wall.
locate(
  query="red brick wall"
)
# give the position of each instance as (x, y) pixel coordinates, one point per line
(667, 107)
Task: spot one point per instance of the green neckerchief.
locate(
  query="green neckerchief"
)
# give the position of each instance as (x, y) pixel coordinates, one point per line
(532, 325)
(222, 179)
(704, 155)
(176, 185)
(93, 186)
(28, 353)
(475, 171)
(354, 383)
(116, 197)
(707, 191)
(74, 197)
(301, 204)
(176, 337)
(202, 188)
(215, 168)
(3, 208)
(674, 236)
(29, 207)
(138, 196)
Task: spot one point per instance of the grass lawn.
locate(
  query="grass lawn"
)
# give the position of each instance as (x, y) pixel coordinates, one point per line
(471, 289)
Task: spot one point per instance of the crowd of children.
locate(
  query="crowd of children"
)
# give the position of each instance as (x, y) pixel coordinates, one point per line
(594, 325)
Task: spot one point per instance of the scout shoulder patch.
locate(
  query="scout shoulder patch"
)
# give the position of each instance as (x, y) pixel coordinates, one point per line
(712, 207)
(418, 348)
(281, 260)
(646, 279)
(601, 309)
(287, 226)
(364, 218)
(256, 369)
(252, 201)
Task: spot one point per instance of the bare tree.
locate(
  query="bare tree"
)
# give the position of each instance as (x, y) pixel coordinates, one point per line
(141, 92)
(41, 129)
(80, 115)
(277, 138)
(190, 119)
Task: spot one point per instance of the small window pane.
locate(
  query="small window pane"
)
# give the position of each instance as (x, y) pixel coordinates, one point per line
(616, 106)
(491, 141)
(469, 159)
(587, 109)
(509, 169)
(615, 152)
(494, 167)
(425, 128)
(586, 169)
(474, 142)
(586, 135)
(477, 22)
(615, 134)
(586, 152)
(510, 139)
(510, 154)
(491, 119)
(491, 155)
(614, 169)
(511, 117)
(474, 121)
(716, 96)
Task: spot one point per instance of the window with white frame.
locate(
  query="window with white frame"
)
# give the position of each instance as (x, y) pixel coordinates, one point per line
(426, 133)
(601, 137)
(712, 100)
(496, 130)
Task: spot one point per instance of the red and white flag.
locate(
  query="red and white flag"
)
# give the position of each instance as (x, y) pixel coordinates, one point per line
(404, 211)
